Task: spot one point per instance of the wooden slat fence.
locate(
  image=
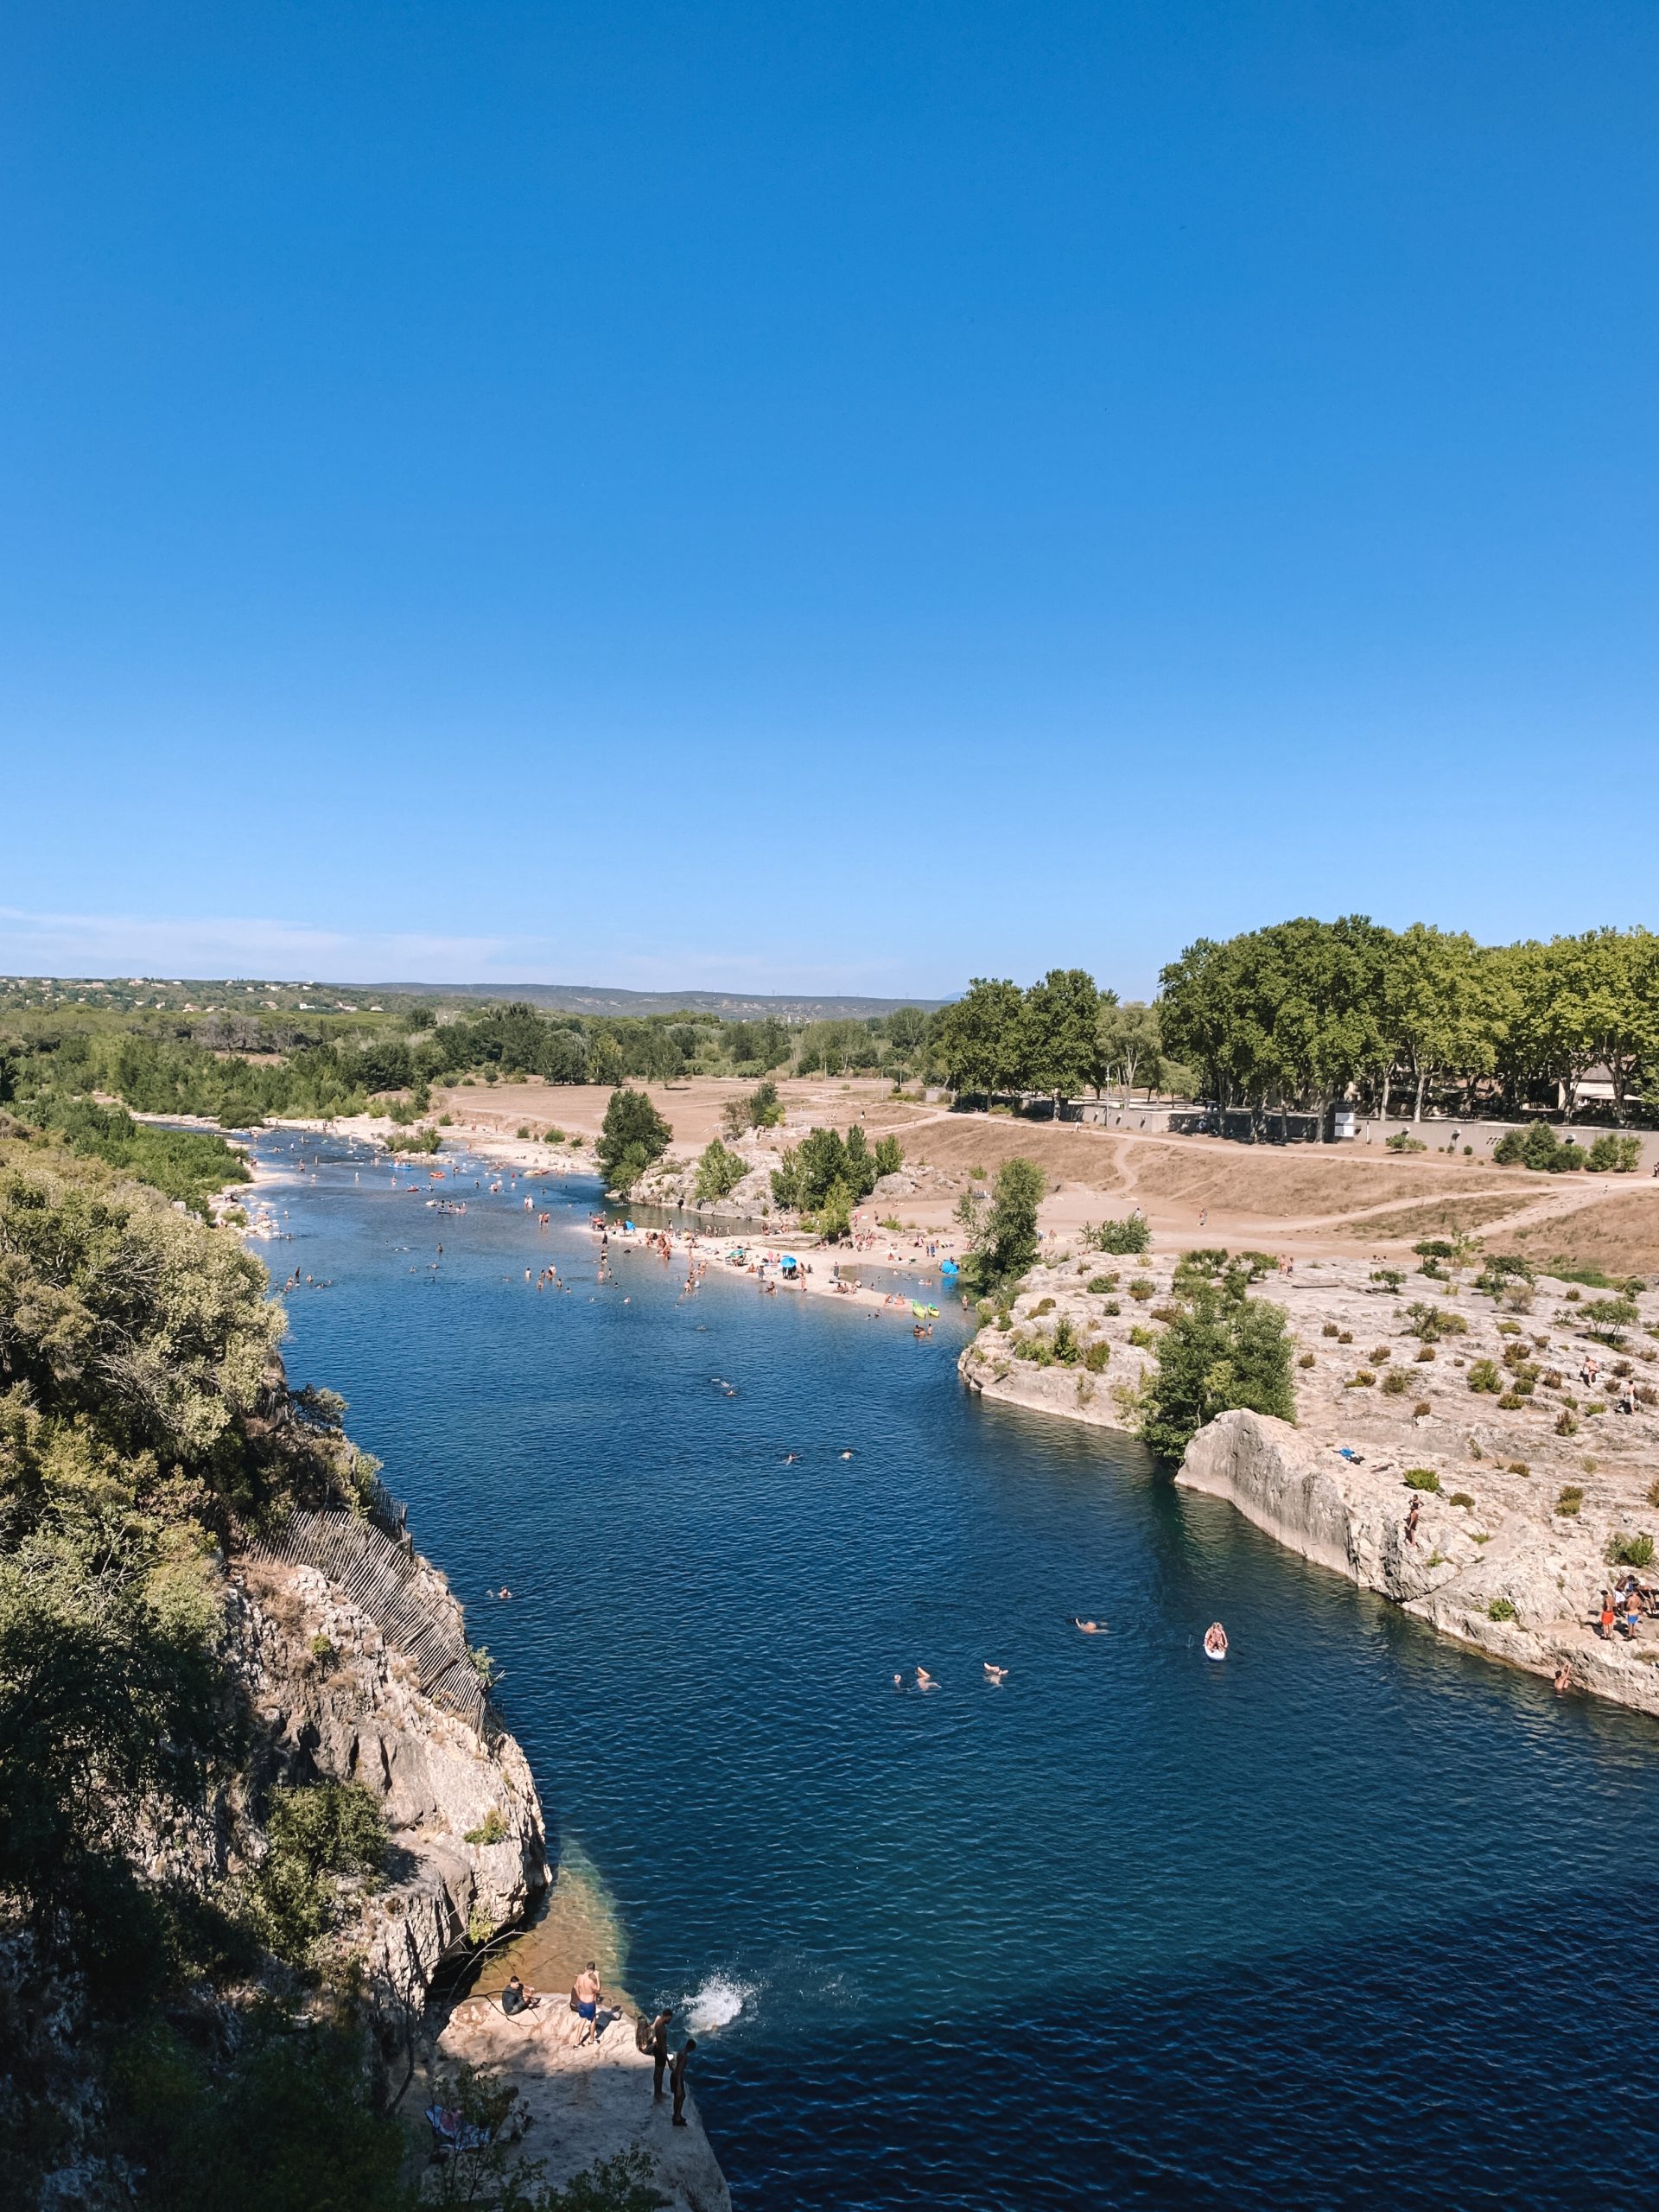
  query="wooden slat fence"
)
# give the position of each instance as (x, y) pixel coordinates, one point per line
(377, 1574)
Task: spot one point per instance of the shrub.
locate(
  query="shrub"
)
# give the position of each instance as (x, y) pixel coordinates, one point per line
(1511, 1402)
(523, 1133)
(1402, 1141)
(1132, 1235)
(1461, 1497)
(1140, 1292)
(1396, 1382)
(1100, 1285)
(1632, 1551)
(1308, 1360)
(1111, 1306)
(1390, 1278)
(1225, 1353)
(889, 1159)
(1571, 1499)
(1344, 1336)
(1381, 1355)
(1483, 1376)
(1425, 1353)
(1097, 1357)
(1066, 1347)
(1364, 1380)
(1328, 1330)
(492, 1828)
(1519, 1467)
(446, 1120)
(1143, 1339)
(1421, 1478)
(413, 1141)
(1043, 1306)
(1501, 1609)
(322, 1649)
(1422, 1406)
(1431, 1322)
(1608, 1318)
(317, 1833)
(1567, 1423)
(1614, 1155)
(719, 1171)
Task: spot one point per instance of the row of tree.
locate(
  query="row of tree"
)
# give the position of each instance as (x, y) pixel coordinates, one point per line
(1306, 1011)
(1060, 1037)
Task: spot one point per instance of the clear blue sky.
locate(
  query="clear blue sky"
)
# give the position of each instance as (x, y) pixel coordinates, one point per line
(805, 497)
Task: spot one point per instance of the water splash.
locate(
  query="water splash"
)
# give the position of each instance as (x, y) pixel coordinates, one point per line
(718, 2003)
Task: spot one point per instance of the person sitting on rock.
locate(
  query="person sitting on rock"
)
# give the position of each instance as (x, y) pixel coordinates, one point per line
(516, 1998)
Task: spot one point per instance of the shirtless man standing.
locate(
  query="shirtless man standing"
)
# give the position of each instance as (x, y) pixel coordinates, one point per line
(587, 1992)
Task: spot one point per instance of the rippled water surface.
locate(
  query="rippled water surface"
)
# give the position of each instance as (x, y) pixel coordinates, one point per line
(1352, 1919)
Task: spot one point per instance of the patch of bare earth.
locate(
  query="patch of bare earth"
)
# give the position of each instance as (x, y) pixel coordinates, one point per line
(959, 1143)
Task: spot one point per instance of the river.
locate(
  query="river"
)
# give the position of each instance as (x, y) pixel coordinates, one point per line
(1355, 1918)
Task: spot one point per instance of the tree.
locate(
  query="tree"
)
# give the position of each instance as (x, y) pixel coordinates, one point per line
(978, 1038)
(1004, 1239)
(633, 1135)
(1223, 1351)
(1431, 1015)
(1060, 1033)
(906, 1034)
(1130, 1041)
(719, 1171)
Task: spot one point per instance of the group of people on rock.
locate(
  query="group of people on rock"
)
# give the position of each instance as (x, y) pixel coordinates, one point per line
(519, 2001)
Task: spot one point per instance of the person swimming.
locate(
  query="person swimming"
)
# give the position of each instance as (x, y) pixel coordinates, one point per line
(995, 1675)
(924, 1681)
(1088, 1628)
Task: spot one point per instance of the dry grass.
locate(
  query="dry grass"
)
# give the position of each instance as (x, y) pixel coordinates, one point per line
(1067, 1153)
(1445, 1216)
(1276, 1184)
(1620, 1234)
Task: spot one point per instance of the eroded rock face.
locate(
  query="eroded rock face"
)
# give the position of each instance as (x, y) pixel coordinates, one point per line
(1463, 1560)
(337, 1702)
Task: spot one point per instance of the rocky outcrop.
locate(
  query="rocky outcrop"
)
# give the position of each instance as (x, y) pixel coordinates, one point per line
(1504, 1574)
(337, 1700)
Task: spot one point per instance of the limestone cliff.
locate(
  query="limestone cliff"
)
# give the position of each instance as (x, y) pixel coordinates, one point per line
(1540, 1571)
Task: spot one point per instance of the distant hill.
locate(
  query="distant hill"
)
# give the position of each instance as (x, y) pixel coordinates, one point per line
(599, 998)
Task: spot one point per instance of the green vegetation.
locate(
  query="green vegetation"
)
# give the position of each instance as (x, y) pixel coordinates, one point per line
(1307, 1010)
(190, 1165)
(1614, 1155)
(1421, 1478)
(1632, 1551)
(719, 1171)
(1501, 1609)
(491, 1829)
(318, 1834)
(824, 1177)
(1223, 1351)
(1483, 1376)
(1002, 1242)
(632, 1136)
(1433, 1323)
(1539, 1147)
(1129, 1235)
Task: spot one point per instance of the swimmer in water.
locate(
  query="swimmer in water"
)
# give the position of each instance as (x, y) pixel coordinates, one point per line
(1088, 1628)
(846, 1455)
(996, 1674)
